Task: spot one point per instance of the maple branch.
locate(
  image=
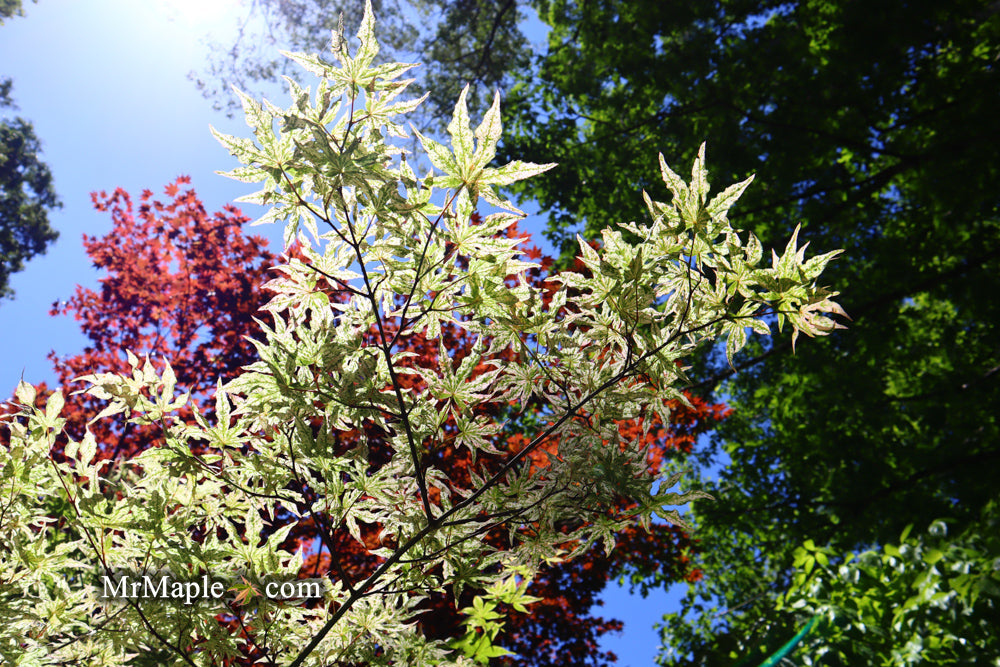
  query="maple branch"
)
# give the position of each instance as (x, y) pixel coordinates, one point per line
(343, 285)
(435, 523)
(423, 255)
(251, 638)
(99, 551)
(534, 444)
(397, 387)
(493, 517)
(859, 312)
(488, 46)
(303, 202)
(159, 637)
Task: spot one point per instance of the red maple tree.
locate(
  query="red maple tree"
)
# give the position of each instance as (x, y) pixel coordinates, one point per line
(185, 285)
(179, 284)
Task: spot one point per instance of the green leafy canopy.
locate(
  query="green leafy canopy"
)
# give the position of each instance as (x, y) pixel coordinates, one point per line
(873, 126)
(27, 194)
(386, 256)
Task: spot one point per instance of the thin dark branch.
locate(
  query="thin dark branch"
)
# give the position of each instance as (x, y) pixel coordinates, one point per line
(340, 282)
(394, 378)
(488, 46)
(846, 141)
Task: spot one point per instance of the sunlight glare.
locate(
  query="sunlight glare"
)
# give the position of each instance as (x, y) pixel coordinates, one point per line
(202, 14)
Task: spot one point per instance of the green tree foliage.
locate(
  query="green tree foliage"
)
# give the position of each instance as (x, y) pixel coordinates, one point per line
(9, 8)
(476, 42)
(387, 257)
(26, 194)
(931, 599)
(874, 126)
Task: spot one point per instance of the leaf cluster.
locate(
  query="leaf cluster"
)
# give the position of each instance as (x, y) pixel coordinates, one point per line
(928, 600)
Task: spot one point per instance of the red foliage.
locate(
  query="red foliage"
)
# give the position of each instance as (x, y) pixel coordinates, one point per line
(180, 284)
(184, 285)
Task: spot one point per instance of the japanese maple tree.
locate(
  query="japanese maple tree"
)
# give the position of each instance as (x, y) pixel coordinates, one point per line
(424, 403)
(184, 284)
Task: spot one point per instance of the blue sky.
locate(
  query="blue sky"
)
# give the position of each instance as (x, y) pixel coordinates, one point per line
(105, 84)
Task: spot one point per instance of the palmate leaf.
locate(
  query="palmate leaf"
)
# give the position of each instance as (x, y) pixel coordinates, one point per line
(467, 164)
(736, 338)
(674, 183)
(243, 150)
(312, 63)
(699, 183)
(441, 158)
